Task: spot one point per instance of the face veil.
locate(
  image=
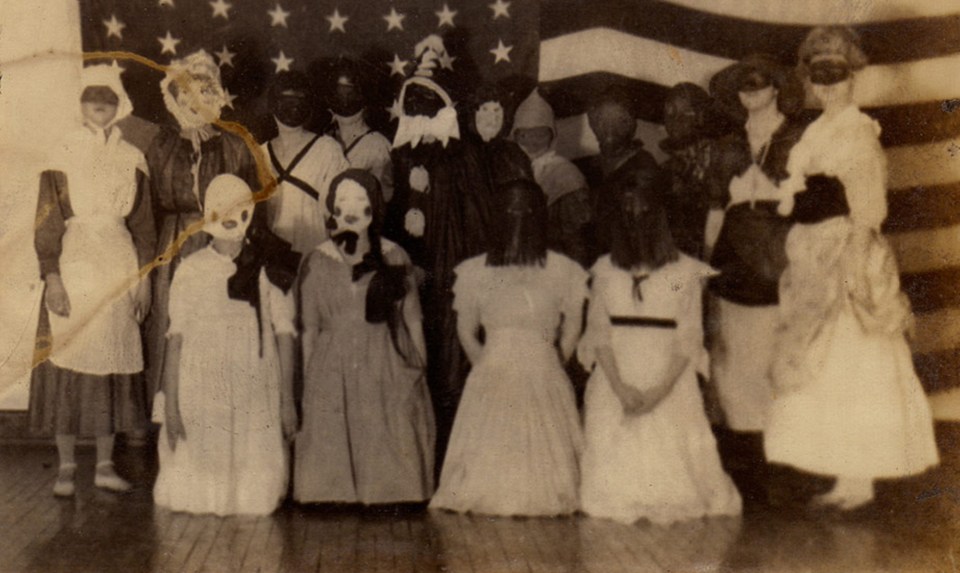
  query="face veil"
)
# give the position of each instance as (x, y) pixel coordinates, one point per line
(519, 218)
(640, 232)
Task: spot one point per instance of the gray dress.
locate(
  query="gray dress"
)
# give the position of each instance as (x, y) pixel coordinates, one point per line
(368, 427)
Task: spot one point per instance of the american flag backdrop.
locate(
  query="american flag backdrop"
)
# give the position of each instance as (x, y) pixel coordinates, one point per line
(252, 40)
(576, 47)
(911, 88)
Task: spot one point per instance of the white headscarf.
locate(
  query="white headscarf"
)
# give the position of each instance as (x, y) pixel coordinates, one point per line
(108, 76)
(96, 158)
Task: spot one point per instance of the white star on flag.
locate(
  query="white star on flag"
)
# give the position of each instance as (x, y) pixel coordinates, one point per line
(397, 65)
(501, 53)
(229, 97)
(225, 56)
(278, 16)
(446, 60)
(114, 27)
(168, 44)
(221, 8)
(500, 8)
(337, 21)
(394, 110)
(282, 62)
(394, 20)
(446, 17)
(162, 3)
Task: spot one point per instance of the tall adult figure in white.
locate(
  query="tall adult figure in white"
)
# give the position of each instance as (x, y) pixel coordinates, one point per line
(848, 403)
(94, 233)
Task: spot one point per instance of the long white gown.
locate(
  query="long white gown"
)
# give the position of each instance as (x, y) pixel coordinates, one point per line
(662, 465)
(516, 439)
(233, 460)
(848, 400)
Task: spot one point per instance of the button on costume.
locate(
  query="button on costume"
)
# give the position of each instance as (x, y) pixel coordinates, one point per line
(439, 215)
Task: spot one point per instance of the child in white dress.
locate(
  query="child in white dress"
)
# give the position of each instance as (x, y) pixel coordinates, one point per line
(228, 379)
(649, 452)
(516, 439)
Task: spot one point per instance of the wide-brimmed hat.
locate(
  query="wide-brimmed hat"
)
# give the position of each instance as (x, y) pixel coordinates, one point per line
(832, 42)
(727, 83)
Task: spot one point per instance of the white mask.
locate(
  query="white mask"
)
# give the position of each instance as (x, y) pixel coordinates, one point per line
(228, 208)
(489, 120)
(352, 210)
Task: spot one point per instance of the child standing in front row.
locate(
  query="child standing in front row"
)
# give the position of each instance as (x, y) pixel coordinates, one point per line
(649, 452)
(516, 439)
(228, 378)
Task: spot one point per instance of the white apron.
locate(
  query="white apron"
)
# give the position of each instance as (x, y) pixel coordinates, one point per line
(98, 261)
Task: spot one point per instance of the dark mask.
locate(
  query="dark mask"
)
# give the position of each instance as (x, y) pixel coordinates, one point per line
(753, 81)
(519, 212)
(828, 73)
(641, 235)
(681, 120)
(99, 94)
(291, 109)
(347, 100)
(421, 101)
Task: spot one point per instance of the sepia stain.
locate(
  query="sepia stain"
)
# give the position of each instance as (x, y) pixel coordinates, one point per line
(675, 55)
(268, 186)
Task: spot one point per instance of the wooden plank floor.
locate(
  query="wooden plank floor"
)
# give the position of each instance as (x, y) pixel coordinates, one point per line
(914, 527)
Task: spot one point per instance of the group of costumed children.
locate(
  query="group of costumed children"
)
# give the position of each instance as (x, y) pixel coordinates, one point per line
(378, 298)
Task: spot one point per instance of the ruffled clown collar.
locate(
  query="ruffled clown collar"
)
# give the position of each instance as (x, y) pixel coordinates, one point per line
(413, 129)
